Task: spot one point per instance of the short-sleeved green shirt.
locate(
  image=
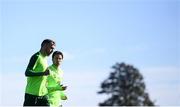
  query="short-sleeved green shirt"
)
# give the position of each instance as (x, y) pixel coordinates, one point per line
(37, 85)
(54, 80)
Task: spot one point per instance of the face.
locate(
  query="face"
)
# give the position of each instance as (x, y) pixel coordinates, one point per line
(57, 59)
(49, 48)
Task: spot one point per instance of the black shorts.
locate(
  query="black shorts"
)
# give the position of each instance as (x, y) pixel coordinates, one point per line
(32, 100)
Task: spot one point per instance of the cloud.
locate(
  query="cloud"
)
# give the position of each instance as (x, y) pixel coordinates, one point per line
(136, 48)
(97, 51)
(16, 59)
(68, 56)
(12, 89)
(82, 86)
(162, 85)
(161, 74)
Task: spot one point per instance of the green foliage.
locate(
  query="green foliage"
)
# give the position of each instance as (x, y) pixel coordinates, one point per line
(126, 87)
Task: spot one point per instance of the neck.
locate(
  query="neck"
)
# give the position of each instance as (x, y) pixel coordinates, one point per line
(55, 65)
(42, 52)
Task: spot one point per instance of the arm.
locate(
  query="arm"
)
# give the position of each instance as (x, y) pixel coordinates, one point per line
(57, 88)
(29, 70)
(63, 96)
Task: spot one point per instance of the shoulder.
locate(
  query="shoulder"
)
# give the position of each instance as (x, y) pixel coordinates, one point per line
(35, 56)
(50, 67)
(60, 70)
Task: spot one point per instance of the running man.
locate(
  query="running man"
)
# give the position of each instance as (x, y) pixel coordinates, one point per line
(54, 81)
(36, 73)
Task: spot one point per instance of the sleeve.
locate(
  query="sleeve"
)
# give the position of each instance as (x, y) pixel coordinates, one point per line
(32, 62)
(56, 88)
(30, 68)
(63, 95)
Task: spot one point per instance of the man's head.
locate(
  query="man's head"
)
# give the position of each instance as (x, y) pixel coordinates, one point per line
(57, 58)
(47, 46)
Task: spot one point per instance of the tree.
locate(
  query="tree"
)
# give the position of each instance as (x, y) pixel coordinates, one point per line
(126, 87)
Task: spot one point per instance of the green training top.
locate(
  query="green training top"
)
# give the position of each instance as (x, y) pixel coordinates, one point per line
(54, 80)
(36, 85)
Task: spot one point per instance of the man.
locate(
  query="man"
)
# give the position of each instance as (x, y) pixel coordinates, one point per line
(36, 72)
(55, 90)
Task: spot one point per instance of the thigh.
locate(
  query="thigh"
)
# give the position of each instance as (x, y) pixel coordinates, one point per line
(29, 100)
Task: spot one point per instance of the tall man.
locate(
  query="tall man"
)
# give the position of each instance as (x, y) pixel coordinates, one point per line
(36, 72)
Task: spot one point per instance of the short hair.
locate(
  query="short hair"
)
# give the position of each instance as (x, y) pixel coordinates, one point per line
(47, 41)
(57, 52)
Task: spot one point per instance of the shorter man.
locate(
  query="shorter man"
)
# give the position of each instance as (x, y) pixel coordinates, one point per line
(54, 81)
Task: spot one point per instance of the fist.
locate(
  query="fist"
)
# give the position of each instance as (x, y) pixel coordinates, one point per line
(46, 72)
(63, 87)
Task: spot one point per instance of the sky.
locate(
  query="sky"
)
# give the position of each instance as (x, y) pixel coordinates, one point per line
(93, 35)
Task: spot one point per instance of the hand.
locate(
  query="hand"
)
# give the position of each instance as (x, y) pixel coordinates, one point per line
(63, 97)
(47, 72)
(63, 87)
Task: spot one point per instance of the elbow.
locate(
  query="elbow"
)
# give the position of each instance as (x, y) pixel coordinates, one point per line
(26, 73)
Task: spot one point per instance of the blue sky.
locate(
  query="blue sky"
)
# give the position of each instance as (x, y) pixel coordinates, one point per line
(94, 35)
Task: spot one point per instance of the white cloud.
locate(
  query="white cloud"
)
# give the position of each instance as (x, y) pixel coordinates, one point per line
(97, 51)
(12, 89)
(16, 59)
(68, 55)
(165, 95)
(136, 48)
(83, 86)
(163, 84)
(161, 74)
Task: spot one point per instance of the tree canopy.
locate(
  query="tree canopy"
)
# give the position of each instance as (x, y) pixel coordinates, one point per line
(126, 87)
